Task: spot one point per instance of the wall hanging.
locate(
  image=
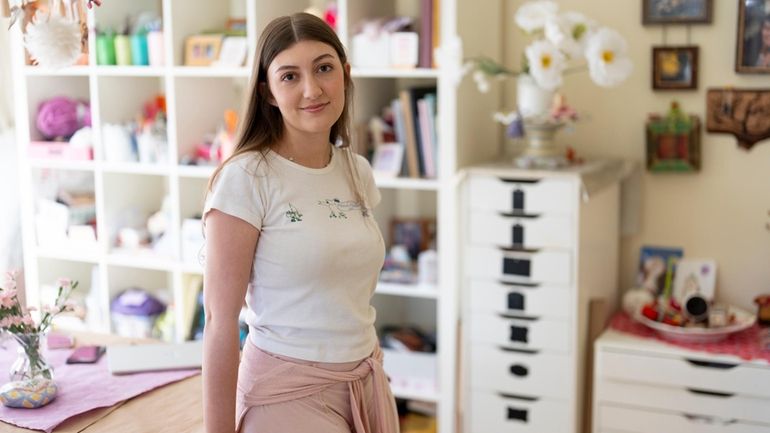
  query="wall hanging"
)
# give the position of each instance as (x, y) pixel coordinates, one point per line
(745, 113)
(752, 51)
(675, 68)
(673, 141)
(676, 11)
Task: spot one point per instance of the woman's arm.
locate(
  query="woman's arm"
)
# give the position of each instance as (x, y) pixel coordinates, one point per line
(230, 246)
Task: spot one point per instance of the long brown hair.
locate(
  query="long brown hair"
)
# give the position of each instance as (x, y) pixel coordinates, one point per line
(262, 125)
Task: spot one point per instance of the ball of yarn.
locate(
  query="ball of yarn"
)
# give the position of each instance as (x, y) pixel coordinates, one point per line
(62, 116)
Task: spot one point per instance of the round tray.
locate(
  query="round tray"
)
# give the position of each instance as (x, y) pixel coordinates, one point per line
(743, 320)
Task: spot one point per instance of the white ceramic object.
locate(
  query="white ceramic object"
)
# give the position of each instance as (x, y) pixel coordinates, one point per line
(743, 320)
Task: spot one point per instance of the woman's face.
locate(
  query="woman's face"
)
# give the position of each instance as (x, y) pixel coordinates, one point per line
(766, 33)
(307, 84)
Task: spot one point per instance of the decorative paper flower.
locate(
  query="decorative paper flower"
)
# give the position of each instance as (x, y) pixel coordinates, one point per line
(53, 40)
(546, 64)
(607, 57)
(533, 15)
(569, 31)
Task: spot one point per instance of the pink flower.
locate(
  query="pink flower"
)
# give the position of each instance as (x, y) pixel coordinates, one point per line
(9, 280)
(64, 283)
(47, 309)
(7, 298)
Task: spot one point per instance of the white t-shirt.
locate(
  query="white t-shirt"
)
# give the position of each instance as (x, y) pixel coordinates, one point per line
(317, 259)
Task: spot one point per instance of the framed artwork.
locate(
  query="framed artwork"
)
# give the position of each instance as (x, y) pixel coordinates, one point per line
(752, 53)
(673, 146)
(387, 159)
(694, 276)
(202, 50)
(675, 68)
(416, 234)
(657, 266)
(676, 11)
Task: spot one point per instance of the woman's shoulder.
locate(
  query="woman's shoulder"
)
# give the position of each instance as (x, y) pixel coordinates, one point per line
(253, 163)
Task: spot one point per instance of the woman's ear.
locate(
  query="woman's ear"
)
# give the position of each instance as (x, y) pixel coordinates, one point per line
(347, 69)
(264, 91)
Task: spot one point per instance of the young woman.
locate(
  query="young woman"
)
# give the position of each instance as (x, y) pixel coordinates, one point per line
(289, 226)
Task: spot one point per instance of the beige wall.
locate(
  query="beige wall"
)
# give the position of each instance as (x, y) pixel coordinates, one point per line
(6, 91)
(717, 213)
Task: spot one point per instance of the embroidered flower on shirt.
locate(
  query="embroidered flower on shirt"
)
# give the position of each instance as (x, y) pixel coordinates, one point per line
(293, 214)
(337, 207)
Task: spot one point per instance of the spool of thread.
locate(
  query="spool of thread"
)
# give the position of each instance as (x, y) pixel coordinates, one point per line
(105, 49)
(155, 48)
(123, 50)
(139, 55)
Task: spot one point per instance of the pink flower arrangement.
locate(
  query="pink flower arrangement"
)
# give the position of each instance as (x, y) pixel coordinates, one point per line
(17, 319)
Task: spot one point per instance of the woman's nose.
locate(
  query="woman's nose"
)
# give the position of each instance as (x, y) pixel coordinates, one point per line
(312, 90)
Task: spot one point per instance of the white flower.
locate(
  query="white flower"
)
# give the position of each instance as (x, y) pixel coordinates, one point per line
(532, 15)
(546, 64)
(481, 81)
(608, 62)
(569, 31)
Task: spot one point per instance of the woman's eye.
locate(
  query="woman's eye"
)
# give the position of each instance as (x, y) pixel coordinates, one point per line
(288, 77)
(325, 68)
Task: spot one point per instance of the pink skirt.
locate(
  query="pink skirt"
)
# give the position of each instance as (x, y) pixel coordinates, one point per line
(287, 395)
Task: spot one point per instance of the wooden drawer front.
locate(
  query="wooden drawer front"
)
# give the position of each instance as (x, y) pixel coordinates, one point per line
(492, 413)
(637, 420)
(492, 229)
(680, 400)
(546, 266)
(520, 334)
(532, 375)
(538, 301)
(698, 373)
(534, 196)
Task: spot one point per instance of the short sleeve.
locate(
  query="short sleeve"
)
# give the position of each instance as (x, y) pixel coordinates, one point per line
(370, 186)
(236, 192)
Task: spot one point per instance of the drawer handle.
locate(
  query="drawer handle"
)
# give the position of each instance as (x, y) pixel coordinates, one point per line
(518, 414)
(704, 419)
(710, 393)
(518, 267)
(518, 200)
(519, 284)
(527, 181)
(516, 301)
(517, 235)
(519, 370)
(710, 364)
(519, 334)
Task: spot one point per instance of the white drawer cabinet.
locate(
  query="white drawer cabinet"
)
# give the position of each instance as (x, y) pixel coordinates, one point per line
(687, 391)
(528, 274)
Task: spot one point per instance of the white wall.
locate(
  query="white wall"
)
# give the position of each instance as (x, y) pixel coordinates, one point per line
(6, 91)
(717, 213)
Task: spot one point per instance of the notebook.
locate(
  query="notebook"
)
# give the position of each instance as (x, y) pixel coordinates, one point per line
(154, 357)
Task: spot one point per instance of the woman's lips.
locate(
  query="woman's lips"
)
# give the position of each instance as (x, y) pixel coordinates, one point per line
(315, 107)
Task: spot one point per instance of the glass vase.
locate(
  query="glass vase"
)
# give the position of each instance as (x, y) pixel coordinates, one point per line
(30, 361)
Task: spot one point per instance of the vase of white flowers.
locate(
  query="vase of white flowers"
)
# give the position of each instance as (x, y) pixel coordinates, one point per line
(561, 43)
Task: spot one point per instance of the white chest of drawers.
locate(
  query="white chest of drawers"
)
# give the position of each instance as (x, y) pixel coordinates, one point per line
(535, 251)
(645, 386)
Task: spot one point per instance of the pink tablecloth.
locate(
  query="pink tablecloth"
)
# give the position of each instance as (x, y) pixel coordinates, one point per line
(82, 387)
(746, 344)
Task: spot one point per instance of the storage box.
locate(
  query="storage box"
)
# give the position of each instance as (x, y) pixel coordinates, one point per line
(59, 150)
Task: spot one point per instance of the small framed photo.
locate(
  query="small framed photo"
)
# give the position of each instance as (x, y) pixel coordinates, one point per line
(387, 160)
(202, 50)
(676, 11)
(416, 234)
(752, 54)
(675, 68)
(233, 52)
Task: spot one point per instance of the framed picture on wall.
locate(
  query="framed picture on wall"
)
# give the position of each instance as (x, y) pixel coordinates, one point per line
(752, 54)
(675, 68)
(676, 11)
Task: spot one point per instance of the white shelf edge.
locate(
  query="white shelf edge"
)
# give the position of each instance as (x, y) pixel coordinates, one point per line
(63, 164)
(135, 168)
(190, 268)
(69, 252)
(142, 260)
(72, 71)
(196, 171)
(407, 183)
(212, 71)
(407, 290)
(363, 72)
(129, 71)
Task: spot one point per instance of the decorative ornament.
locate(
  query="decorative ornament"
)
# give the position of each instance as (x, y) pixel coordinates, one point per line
(53, 40)
(744, 113)
(28, 394)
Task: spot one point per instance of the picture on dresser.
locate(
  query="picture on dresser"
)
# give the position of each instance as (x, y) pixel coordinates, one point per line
(657, 266)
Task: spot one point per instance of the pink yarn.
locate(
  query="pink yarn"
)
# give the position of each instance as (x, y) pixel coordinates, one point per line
(61, 117)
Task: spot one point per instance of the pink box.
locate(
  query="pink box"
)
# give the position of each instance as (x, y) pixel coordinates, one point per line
(59, 150)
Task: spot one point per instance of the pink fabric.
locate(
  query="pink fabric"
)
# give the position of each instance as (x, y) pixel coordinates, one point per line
(82, 387)
(745, 344)
(272, 380)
